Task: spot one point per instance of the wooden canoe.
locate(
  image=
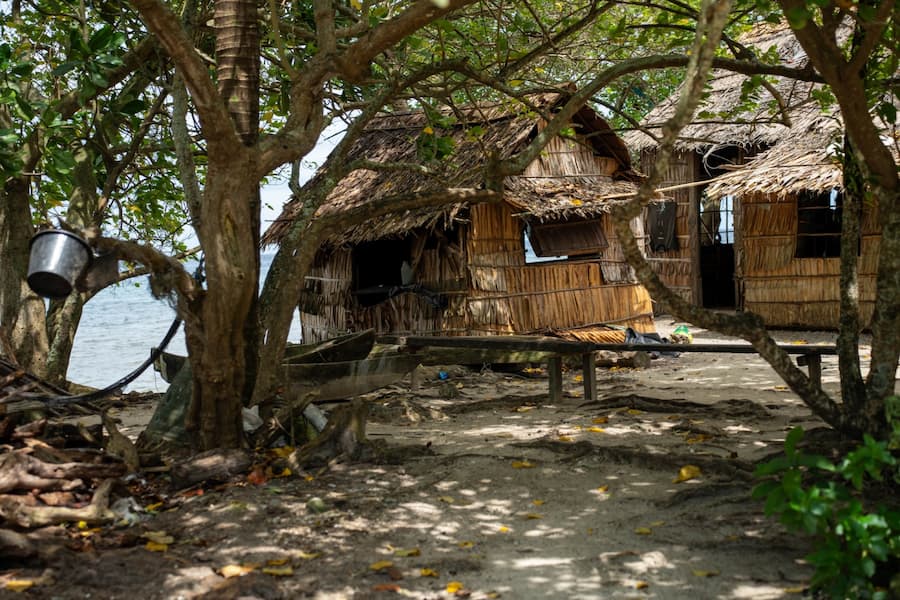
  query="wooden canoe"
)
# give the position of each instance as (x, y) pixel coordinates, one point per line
(345, 379)
(350, 346)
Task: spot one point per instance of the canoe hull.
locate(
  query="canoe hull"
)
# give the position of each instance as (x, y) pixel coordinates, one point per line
(345, 379)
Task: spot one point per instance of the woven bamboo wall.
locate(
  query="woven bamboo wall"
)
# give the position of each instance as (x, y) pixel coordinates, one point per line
(676, 268)
(566, 157)
(798, 292)
(508, 296)
(328, 306)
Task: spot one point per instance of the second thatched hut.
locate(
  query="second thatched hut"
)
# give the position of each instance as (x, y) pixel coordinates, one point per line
(759, 194)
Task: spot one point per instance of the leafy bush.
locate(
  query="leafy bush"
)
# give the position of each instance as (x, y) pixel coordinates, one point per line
(857, 551)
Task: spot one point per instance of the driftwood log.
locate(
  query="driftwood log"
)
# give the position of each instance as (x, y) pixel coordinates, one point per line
(95, 513)
(219, 465)
(21, 471)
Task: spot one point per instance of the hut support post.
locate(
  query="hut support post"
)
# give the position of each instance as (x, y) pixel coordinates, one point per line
(589, 374)
(554, 371)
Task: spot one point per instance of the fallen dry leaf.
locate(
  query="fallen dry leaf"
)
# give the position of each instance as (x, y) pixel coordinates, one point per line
(641, 585)
(160, 537)
(277, 562)
(643, 530)
(466, 544)
(686, 473)
(565, 438)
(278, 571)
(603, 489)
(503, 529)
(19, 585)
(381, 565)
(386, 587)
(257, 476)
(522, 464)
(596, 429)
(156, 547)
(409, 552)
(537, 502)
(447, 499)
(426, 572)
(229, 571)
(454, 586)
(283, 451)
(600, 420)
(533, 516)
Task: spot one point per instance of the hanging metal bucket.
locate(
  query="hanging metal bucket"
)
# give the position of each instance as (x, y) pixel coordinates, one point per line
(58, 259)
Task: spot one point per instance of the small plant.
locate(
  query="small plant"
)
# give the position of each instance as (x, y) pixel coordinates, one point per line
(857, 551)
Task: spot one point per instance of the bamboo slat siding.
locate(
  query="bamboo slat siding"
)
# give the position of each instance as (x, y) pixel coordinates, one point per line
(798, 292)
(676, 268)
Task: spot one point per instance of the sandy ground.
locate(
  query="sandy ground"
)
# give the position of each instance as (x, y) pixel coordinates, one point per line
(487, 491)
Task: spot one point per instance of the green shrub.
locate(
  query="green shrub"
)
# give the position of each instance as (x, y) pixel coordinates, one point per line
(857, 551)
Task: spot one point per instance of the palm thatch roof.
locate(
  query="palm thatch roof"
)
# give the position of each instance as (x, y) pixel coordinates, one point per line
(720, 120)
(808, 162)
(397, 139)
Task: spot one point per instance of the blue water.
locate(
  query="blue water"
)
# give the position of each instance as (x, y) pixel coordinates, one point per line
(119, 327)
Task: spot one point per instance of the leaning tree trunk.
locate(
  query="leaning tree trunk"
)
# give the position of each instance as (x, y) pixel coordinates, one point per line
(21, 310)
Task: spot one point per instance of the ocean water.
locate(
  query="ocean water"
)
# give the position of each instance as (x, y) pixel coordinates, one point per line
(118, 329)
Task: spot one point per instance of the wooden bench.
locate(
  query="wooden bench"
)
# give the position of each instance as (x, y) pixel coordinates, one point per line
(550, 350)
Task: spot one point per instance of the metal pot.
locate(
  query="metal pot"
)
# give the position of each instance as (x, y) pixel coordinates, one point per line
(58, 259)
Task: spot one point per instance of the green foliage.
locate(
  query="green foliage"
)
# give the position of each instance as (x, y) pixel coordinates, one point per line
(892, 413)
(857, 549)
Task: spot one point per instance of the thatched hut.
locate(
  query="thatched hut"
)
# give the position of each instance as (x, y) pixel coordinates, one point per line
(790, 219)
(463, 269)
(766, 238)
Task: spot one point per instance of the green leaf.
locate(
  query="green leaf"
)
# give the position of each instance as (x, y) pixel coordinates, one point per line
(798, 16)
(103, 39)
(64, 68)
(792, 439)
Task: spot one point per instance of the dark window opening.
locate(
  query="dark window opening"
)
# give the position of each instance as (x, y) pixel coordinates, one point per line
(662, 218)
(378, 268)
(576, 239)
(819, 224)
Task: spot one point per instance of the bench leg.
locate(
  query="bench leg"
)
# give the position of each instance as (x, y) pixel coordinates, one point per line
(589, 373)
(554, 370)
(814, 363)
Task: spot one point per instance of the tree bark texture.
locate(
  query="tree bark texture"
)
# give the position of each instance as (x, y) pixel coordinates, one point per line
(21, 310)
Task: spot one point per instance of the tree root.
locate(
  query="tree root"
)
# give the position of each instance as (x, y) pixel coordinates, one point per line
(95, 513)
(24, 472)
(728, 467)
(343, 436)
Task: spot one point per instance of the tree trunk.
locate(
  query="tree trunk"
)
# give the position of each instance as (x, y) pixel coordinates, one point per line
(221, 338)
(216, 341)
(62, 324)
(21, 310)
